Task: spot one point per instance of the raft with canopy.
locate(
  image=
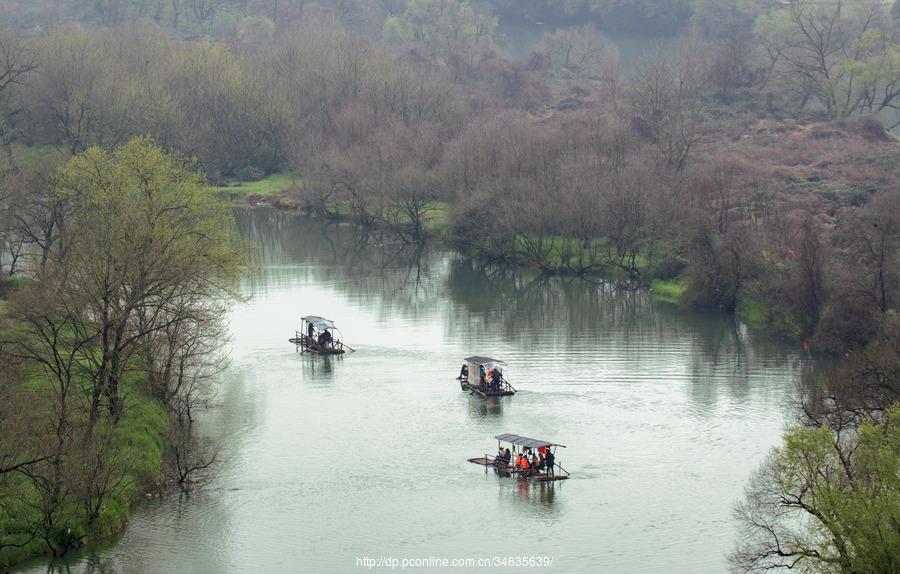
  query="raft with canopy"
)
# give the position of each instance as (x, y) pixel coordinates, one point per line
(318, 336)
(480, 379)
(522, 445)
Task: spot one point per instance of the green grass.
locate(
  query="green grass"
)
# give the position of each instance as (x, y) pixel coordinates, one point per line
(561, 254)
(267, 186)
(670, 290)
(18, 282)
(137, 442)
(751, 312)
(437, 221)
(8, 286)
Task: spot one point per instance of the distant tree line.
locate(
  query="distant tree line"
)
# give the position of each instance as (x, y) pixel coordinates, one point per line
(636, 16)
(586, 166)
(199, 16)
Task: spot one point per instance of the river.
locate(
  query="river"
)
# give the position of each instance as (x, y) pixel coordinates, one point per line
(665, 414)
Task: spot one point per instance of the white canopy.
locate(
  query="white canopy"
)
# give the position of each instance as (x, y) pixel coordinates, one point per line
(319, 323)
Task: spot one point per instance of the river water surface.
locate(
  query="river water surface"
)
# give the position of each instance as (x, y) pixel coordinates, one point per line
(665, 414)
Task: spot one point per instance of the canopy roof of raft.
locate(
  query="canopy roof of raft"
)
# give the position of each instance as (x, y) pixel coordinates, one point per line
(319, 323)
(478, 360)
(524, 441)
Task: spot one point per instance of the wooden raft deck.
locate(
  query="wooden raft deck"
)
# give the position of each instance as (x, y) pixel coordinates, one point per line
(546, 478)
(308, 345)
(485, 392)
(489, 461)
(505, 468)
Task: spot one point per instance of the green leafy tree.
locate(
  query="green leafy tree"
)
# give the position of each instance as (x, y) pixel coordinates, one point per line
(147, 237)
(826, 502)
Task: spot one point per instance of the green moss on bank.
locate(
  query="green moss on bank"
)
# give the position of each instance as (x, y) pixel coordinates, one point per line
(669, 290)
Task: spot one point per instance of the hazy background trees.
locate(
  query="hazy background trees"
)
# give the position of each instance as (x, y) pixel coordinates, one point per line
(389, 112)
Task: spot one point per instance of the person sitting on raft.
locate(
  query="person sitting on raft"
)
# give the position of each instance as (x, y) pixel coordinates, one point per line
(464, 373)
(522, 463)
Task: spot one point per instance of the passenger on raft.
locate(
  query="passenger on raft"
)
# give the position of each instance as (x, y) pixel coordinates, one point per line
(464, 373)
(549, 462)
(503, 457)
(481, 375)
(496, 377)
(310, 331)
(522, 462)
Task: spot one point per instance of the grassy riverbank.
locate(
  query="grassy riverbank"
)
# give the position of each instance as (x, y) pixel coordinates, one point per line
(262, 189)
(134, 445)
(104, 348)
(671, 290)
(279, 191)
(550, 255)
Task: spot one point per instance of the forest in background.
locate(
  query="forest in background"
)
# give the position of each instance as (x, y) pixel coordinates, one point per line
(744, 165)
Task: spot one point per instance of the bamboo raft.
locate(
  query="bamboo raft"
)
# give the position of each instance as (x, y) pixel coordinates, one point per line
(521, 444)
(318, 337)
(506, 469)
(484, 386)
(485, 391)
(308, 345)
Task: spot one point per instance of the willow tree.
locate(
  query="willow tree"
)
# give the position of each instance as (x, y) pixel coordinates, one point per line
(148, 246)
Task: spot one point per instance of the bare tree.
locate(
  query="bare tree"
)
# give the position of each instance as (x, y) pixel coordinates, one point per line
(16, 63)
(581, 53)
(668, 104)
(185, 357)
(190, 459)
(36, 212)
